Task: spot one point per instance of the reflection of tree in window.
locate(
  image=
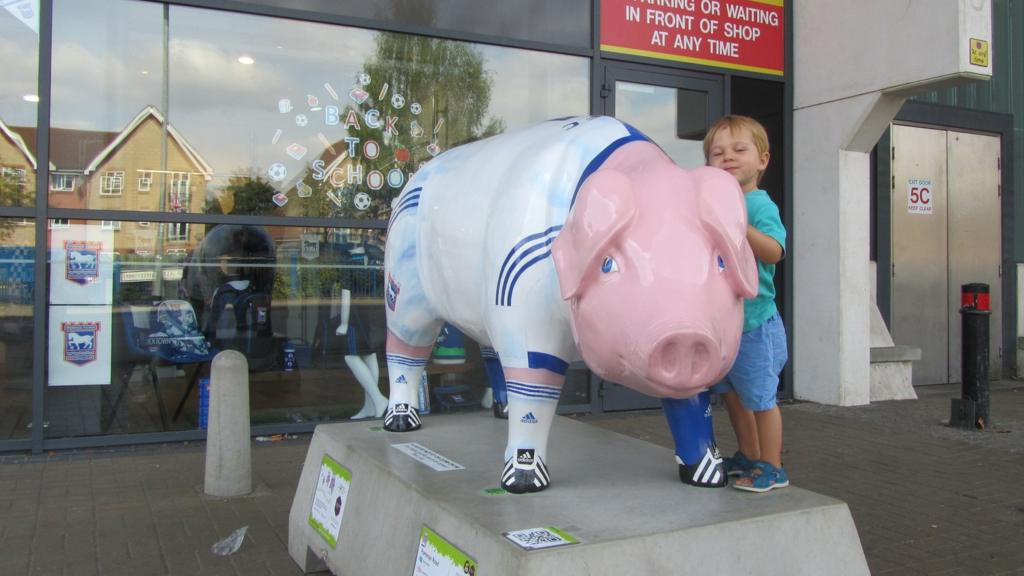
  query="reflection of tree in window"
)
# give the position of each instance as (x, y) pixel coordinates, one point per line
(13, 192)
(251, 195)
(449, 82)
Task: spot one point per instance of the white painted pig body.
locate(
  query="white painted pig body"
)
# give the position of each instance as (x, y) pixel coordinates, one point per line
(644, 282)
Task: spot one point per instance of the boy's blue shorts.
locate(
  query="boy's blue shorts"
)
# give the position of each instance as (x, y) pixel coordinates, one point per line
(755, 375)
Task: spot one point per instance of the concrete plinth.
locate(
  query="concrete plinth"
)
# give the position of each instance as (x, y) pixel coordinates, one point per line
(619, 497)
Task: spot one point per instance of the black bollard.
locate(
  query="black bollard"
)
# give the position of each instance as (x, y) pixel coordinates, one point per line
(971, 410)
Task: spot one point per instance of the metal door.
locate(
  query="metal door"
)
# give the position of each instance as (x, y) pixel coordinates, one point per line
(920, 287)
(975, 239)
(675, 110)
(945, 232)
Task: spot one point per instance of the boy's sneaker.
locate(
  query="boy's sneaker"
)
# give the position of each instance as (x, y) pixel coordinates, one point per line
(765, 477)
(737, 465)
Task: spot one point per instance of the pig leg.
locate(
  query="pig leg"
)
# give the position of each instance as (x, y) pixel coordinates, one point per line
(406, 364)
(532, 398)
(496, 377)
(700, 463)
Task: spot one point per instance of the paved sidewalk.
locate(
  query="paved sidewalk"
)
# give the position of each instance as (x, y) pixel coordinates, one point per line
(927, 499)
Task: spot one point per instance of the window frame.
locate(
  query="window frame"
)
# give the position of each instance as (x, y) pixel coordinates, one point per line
(63, 178)
(144, 176)
(109, 177)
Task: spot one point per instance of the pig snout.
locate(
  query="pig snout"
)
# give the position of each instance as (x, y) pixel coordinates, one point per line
(684, 359)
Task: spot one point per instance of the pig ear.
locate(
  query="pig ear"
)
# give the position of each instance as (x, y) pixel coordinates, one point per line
(604, 206)
(723, 212)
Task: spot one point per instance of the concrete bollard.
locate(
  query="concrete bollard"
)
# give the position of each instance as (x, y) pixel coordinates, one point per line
(228, 448)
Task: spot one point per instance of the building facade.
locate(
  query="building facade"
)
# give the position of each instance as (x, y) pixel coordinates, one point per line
(154, 152)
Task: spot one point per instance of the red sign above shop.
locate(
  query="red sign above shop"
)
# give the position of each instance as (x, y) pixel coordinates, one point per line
(738, 34)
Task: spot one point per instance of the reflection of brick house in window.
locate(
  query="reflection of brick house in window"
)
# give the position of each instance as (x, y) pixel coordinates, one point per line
(18, 164)
(123, 171)
(18, 170)
(127, 175)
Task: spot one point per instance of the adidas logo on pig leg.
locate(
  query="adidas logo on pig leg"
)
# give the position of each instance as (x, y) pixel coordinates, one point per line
(531, 410)
(525, 472)
(402, 414)
(401, 418)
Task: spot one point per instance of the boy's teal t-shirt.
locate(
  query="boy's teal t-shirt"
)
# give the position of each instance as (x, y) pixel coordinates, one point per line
(763, 214)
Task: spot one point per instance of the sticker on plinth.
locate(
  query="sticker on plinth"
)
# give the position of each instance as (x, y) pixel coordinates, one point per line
(919, 196)
(329, 500)
(436, 556)
(426, 456)
(540, 538)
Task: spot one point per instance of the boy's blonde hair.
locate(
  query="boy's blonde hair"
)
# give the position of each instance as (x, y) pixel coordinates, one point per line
(736, 123)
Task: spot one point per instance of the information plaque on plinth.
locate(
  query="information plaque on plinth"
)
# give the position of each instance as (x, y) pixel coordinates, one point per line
(427, 502)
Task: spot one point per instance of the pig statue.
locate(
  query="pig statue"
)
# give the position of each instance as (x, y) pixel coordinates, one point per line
(573, 238)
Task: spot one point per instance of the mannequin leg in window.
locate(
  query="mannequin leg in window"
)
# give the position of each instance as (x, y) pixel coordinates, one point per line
(363, 366)
(367, 372)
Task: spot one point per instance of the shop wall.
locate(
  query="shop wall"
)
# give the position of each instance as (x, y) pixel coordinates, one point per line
(1004, 93)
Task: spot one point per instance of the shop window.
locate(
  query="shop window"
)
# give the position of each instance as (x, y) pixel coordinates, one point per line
(62, 183)
(112, 183)
(335, 137)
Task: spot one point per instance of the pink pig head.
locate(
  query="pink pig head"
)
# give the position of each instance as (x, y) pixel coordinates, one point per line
(655, 265)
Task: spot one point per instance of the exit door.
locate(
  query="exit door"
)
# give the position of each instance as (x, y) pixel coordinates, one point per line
(946, 232)
(674, 110)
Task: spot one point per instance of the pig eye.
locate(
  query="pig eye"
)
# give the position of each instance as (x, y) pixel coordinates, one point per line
(721, 263)
(609, 265)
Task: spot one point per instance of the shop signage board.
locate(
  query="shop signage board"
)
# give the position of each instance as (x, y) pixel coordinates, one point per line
(329, 500)
(439, 557)
(745, 35)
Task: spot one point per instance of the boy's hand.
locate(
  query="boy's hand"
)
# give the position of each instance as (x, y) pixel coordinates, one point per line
(766, 249)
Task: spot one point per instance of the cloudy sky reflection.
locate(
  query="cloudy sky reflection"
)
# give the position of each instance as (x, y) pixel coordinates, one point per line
(108, 66)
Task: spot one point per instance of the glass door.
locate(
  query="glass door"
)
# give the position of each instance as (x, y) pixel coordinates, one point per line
(674, 109)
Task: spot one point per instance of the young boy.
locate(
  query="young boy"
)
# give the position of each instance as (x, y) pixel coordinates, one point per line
(739, 145)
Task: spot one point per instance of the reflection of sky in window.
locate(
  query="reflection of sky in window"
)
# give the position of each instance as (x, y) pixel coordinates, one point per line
(19, 52)
(652, 110)
(107, 67)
